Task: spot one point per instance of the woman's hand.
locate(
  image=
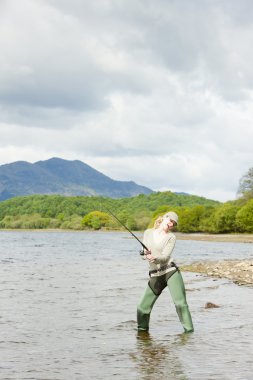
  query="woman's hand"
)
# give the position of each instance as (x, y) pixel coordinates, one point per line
(149, 256)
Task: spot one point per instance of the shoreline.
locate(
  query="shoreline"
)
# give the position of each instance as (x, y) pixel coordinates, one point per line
(224, 238)
(239, 271)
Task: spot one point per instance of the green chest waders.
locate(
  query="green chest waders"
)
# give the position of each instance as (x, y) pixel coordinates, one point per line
(172, 279)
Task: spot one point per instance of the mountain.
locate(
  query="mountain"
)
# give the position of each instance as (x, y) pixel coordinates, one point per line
(58, 176)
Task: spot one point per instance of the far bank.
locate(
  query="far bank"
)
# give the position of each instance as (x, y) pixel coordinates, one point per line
(227, 238)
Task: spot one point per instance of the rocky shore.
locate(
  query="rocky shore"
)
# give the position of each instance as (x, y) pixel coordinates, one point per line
(240, 272)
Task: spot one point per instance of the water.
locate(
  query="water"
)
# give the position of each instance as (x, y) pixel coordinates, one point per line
(68, 308)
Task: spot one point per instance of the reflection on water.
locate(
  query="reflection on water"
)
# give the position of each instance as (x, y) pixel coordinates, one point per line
(157, 359)
(68, 308)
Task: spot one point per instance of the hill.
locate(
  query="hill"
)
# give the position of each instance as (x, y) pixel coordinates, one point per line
(58, 176)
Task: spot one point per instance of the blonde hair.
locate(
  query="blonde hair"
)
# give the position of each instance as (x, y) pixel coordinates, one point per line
(158, 221)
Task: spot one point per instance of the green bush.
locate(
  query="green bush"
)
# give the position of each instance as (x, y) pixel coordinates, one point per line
(95, 220)
(190, 219)
(224, 218)
(244, 217)
(25, 222)
(73, 223)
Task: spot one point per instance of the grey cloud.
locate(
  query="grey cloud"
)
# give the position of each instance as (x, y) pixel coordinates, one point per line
(62, 62)
(194, 39)
(56, 62)
(154, 91)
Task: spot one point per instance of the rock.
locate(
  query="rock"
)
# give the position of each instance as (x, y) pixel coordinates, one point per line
(210, 305)
(239, 271)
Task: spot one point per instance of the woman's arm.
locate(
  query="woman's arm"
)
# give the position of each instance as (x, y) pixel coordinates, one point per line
(148, 254)
(166, 252)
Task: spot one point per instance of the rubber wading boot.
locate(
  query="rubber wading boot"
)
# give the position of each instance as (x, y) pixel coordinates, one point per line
(144, 309)
(177, 291)
(185, 317)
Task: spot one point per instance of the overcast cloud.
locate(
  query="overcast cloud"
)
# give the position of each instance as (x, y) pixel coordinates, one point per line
(159, 92)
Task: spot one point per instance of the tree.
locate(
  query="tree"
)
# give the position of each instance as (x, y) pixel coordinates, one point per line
(244, 217)
(225, 218)
(246, 185)
(95, 220)
(190, 219)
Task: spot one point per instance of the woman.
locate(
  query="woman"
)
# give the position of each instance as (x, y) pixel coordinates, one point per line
(163, 272)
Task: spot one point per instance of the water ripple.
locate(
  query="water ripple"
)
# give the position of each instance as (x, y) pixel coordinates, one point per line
(68, 308)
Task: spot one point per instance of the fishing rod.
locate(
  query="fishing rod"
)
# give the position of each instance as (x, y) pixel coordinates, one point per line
(143, 245)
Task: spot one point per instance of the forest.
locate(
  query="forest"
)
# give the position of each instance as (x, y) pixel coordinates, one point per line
(196, 214)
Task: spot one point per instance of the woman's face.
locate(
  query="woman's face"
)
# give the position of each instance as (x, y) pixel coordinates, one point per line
(167, 224)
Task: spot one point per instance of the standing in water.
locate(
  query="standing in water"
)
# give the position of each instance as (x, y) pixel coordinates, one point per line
(163, 272)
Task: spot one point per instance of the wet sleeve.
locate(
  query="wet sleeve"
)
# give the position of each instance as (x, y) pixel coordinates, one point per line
(166, 252)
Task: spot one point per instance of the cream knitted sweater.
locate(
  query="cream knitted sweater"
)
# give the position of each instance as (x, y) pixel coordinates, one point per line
(161, 250)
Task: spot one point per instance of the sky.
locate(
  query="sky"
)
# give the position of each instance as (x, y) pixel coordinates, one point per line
(157, 92)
